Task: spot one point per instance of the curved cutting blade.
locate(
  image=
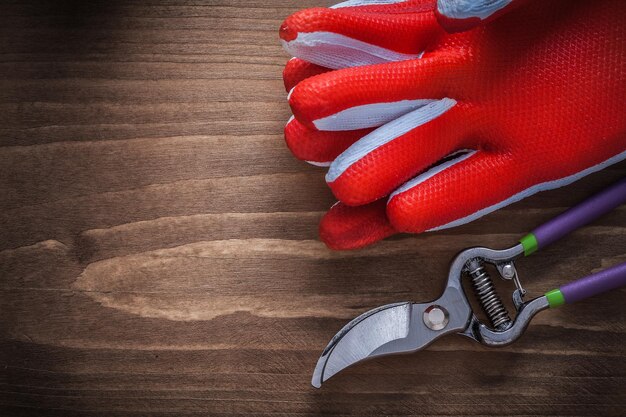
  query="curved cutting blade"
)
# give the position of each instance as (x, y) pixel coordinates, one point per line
(388, 330)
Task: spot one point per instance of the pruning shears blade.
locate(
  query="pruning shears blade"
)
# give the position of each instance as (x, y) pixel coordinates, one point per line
(360, 338)
(388, 330)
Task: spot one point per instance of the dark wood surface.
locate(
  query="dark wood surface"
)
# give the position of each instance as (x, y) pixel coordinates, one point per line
(159, 251)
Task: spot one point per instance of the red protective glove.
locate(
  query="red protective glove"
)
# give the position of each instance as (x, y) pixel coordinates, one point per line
(529, 102)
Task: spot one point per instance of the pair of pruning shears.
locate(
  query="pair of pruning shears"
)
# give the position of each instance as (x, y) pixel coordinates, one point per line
(407, 327)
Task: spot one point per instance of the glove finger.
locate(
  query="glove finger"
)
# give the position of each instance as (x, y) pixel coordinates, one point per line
(318, 147)
(380, 162)
(356, 36)
(458, 16)
(455, 192)
(358, 98)
(345, 227)
(298, 70)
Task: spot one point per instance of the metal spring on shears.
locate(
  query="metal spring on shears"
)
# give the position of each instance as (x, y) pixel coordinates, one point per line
(487, 295)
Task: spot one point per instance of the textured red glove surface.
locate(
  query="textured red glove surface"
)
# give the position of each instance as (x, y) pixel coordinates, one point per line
(529, 102)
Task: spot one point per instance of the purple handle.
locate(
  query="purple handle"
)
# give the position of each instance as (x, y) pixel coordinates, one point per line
(595, 284)
(580, 215)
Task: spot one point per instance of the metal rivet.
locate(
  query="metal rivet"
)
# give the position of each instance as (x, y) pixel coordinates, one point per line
(436, 317)
(508, 271)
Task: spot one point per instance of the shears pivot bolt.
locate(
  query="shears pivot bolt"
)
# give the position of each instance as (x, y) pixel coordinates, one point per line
(436, 317)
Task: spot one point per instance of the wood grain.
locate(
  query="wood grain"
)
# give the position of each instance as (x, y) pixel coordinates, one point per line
(159, 251)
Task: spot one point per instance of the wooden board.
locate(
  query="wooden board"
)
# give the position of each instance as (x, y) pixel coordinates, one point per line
(159, 252)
